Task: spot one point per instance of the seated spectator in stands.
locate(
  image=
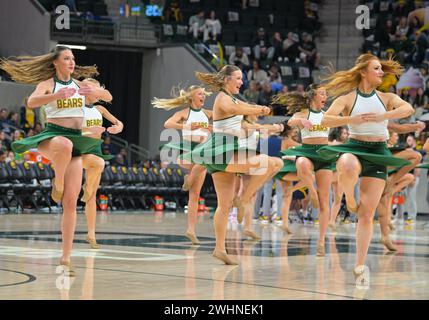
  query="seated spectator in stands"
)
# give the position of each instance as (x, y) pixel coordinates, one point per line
(12, 120)
(118, 160)
(17, 135)
(2, 155)
(310, 22)
(265, 96)
(400, 9)
(3, 117)
(290, 47)
(196, 24)
(10, 156)
(252, 93)
(420, 100)
(257, 74)
(172, 13)
(107, 147)
(405, 95)
(213, 27)
(386, 35)
(274, 74)
(261, 46)
(277, 44)
(124, 154)
(38, 128)
(239, 55)
(309, 52)
(30, 132)
(300, 88)
(420, 46)
(4, 143)
(28, 117)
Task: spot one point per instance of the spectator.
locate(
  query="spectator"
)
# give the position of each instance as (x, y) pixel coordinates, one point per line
(257, 74)
(196, 24)
(30, 132)
(420, 103)
(261, 48)
(300, 88)
(239, 55)
(290, 47)
(213, 27)
(173, 13)
(38, 128)
(119, 160)
(28, 117)
(107, 147)
(310, 22)
(285, 89)
(4, 144)
(265, 96)
(308, 51)
(124, 154)
(386, 35)
(3, 117)
(274, 74)
(405, 95)
(2, 156)
(10, 156)
(13, 119)
(277, 44)
(17, 135)
(252, 93)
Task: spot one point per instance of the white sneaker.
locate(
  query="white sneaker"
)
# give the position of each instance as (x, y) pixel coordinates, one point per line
(361, 274)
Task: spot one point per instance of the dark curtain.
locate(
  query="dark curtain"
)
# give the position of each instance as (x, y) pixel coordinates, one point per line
(120, 73)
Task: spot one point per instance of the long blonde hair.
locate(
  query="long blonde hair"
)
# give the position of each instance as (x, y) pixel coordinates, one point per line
(343, 82)
(35, 69)
(296, 101)
(180, 98)
(216, 81)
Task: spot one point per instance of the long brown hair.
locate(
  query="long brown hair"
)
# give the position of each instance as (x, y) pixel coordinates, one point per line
(35, 69)
(216, 81)
(296, 101)
(343, 82)
(180, 98)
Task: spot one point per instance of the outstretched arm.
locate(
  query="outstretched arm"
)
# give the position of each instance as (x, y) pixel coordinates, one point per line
(117, 127)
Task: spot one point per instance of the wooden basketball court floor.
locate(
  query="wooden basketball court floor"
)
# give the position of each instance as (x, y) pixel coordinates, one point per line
(145, 255)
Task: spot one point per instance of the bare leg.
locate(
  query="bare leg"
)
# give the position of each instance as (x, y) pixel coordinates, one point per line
(349, 168)
(94, 167)
(305, 169)
(59, 151)
(194, 195)
(371, 190)
(323, 180)
(72, 185)
(224, 185)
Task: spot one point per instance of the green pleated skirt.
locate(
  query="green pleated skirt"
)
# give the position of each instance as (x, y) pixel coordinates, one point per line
(216, 153)
(374, 157)
(96, 150)
(288, 167)
(310, 151)
(81, 144)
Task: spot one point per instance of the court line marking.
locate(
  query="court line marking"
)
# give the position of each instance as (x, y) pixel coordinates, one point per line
(196, 278)
(31, 278)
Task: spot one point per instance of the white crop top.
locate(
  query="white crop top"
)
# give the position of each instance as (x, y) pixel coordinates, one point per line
(197, 116)
(231, 125)
(369, 103)
(65, 108)
(316, 130)
(91, 117)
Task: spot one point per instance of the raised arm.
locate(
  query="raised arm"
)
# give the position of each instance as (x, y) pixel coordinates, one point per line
(241, 108)
(176, 121)
(42, 95)
(117, 127)
(400, 108)
(406, 127)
